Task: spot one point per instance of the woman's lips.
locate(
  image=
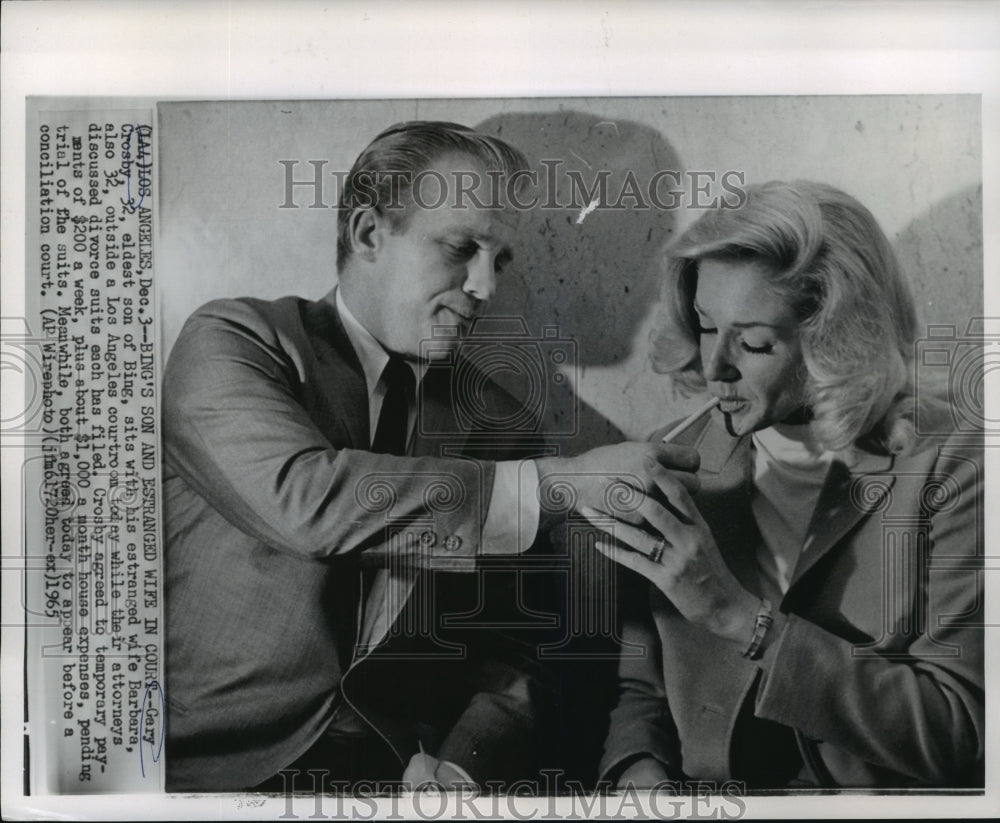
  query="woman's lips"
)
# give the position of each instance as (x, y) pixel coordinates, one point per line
(731, 405)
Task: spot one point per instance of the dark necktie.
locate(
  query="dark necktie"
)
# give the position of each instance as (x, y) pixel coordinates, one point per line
(390, 438)
(400, 384)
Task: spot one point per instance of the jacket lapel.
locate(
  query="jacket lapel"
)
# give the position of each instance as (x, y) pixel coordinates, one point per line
(848, 496)
(341, 368)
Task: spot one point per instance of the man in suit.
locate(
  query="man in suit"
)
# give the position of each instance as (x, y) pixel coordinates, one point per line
(320, 541)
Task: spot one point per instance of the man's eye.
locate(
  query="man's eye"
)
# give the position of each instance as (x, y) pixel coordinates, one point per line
(703, 330)
(464, 251)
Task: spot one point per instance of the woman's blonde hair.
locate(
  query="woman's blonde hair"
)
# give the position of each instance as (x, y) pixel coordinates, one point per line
(826, 255)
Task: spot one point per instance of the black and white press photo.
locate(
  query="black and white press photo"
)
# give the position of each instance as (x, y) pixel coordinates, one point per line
(554, 454)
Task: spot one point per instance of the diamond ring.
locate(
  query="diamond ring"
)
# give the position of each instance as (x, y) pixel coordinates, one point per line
(657, 551)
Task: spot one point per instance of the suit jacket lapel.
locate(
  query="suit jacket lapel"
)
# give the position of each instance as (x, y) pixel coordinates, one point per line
(342, 368)
(725, 501)
(848, 496)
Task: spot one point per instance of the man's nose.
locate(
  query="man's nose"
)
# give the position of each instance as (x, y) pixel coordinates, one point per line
(481, 278)
(718, 366)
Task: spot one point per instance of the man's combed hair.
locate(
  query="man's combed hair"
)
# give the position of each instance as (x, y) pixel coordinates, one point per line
(384, 172)
(826, 255)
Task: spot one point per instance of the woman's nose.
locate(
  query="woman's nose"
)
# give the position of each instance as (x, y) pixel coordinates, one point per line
(718, 366)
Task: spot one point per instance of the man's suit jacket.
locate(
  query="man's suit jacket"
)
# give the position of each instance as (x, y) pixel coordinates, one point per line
(874, 672)
(272, 499)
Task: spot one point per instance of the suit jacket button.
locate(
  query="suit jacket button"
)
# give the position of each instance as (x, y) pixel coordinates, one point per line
(428, 539)
(452, 543)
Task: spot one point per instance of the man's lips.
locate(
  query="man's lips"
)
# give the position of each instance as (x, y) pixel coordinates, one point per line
(462, 317)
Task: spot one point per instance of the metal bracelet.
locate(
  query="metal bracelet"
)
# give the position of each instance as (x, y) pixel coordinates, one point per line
(762, 622)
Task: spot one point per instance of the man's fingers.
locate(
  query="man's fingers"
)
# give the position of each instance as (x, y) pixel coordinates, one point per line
(671, 496)
(679, 458)
(679, 462)
(420, 769)
(689, 481)
(450, 777)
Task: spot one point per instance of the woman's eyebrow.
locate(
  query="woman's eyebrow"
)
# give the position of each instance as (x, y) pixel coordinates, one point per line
(753, 323)
(749, 324)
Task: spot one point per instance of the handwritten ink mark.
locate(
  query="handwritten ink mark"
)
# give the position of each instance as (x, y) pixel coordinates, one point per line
(153, 685)
(142, 164)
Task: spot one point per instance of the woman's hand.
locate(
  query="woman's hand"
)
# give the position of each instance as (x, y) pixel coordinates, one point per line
(685, 564)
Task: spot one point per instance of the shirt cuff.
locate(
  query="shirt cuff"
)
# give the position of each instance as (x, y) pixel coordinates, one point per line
(512, 519)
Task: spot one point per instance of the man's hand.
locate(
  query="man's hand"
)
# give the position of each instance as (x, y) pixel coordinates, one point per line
(612, 479)
(427, 771)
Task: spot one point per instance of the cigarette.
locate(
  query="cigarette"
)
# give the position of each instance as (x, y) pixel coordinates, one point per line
(690, 420)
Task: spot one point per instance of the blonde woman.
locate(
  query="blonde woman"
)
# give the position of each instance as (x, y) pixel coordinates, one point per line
(813, 612)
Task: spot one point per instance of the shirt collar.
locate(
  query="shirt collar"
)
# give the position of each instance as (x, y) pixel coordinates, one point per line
(369, 351)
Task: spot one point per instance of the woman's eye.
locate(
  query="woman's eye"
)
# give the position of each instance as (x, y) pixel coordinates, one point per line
(703, 330)
(766, 348)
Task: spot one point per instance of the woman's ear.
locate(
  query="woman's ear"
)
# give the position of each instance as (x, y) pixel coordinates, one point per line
(366, 233)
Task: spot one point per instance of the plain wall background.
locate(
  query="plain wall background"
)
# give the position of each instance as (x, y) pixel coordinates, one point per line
(915, 161)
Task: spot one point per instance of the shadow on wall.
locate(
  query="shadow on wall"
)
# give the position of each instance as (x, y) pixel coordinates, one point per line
(592, 274)
(942, 253)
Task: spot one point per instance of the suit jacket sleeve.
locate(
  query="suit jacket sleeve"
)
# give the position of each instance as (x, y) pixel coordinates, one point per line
(236, 430)
(918, 712)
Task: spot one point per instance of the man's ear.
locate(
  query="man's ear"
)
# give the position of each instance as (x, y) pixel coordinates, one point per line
(367, 227)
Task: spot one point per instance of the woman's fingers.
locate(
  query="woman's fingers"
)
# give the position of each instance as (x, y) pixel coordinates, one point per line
(628, 559)
(635, 537)
(664, 519)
